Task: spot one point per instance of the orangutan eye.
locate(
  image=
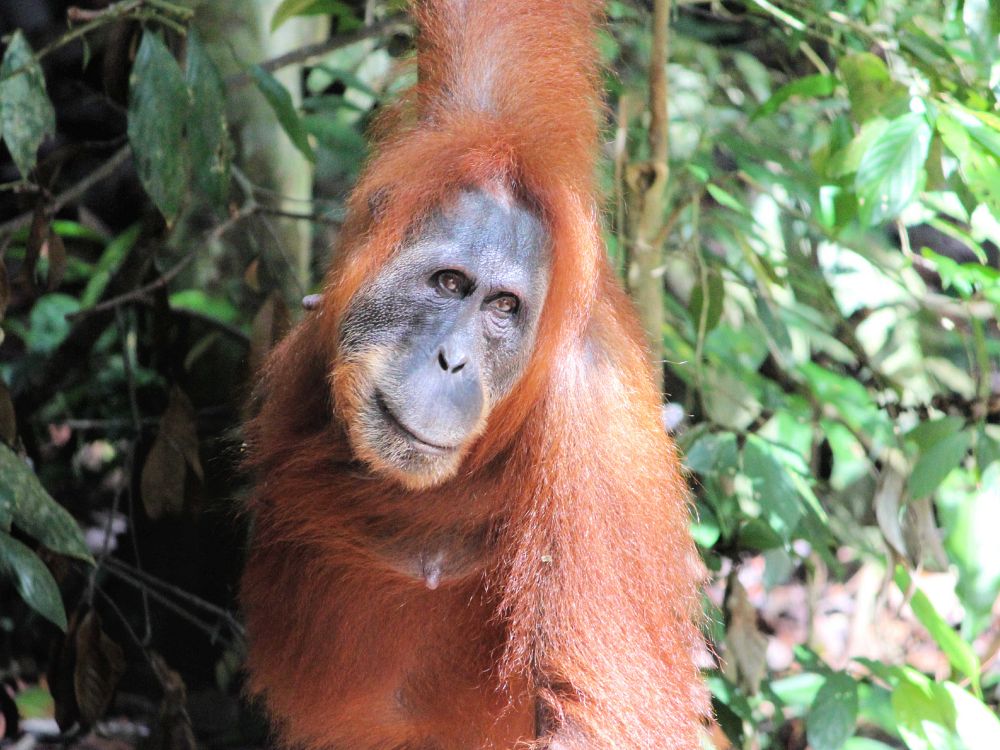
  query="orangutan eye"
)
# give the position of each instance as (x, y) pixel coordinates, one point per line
(505, 305)
(452, 283)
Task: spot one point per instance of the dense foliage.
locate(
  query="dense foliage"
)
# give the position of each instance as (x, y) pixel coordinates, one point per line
(831, 294)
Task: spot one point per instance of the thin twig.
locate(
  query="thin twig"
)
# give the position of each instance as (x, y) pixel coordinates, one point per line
(73, 192)
(304, 54)
(161, 281)
(315, 218)
(140, 576)
(211, 631)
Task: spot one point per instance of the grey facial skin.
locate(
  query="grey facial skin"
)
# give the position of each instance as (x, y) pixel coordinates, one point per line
(447, 326)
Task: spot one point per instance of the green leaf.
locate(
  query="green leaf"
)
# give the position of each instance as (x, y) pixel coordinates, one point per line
(26, 114)
(927, 434)
(281, 102)
(715, 452)
(833, 713)
(110, 259)
(891, 169)
(971, 543)
(982, 126)
(815, 85)
(32, 580)
(959, 653)
(158, 109)
(726, 199)
(202, 303)
(715, 290)
(934, 464)
(869, 86)
(34, 511)
(208, 137)
(291, 8)
(772, 487)
(942, 716)
(49, 325)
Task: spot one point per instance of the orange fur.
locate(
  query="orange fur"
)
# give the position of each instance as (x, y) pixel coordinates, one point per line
(584, 591)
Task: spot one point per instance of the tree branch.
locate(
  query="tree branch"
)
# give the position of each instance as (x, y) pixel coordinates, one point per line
(647, 183)
(304, 54)
(73, 192)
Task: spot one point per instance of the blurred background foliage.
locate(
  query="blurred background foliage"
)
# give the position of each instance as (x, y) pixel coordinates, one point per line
(172, 179)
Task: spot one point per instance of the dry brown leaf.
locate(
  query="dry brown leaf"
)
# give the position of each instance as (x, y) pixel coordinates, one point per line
(174, 453)
(57, 260)
(888, 502)
(251, 276)
(173, 728)
(8, 422)
(746, 646)
(100, 664)
(37, 236)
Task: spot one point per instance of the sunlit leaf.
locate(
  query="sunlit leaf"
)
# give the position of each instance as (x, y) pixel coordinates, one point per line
(779, 500)
(971, 522)
(934, 464)
(892, 168)
(870, 87)
(810, 86)
(833, 713)
(959, 653)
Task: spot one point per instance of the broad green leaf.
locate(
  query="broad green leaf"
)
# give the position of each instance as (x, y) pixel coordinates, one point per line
(814, 85)
(971, 523)
(49, 325)
(987, 447)
(834, 713)
(75, 230)
(110, 259)
(26, 114)
(726, 199)
(891, 170)
(281, 102)
(846, 160)
(208, 137)
(715, 289)
(34, 511)
(715, 452)
(780, 504)
(850, 399)
(200, 302)
(926, 434)
(159, 104)
(798, 689)
(934, 464)
(755, 534)
(942, 716)
(34, 703)
(982, 126)
(866, 743)
(32, 579)
(291, 8)
(959, 653)
(869, 86)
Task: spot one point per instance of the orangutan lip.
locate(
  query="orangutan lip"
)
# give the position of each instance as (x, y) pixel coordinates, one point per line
(406, 431)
